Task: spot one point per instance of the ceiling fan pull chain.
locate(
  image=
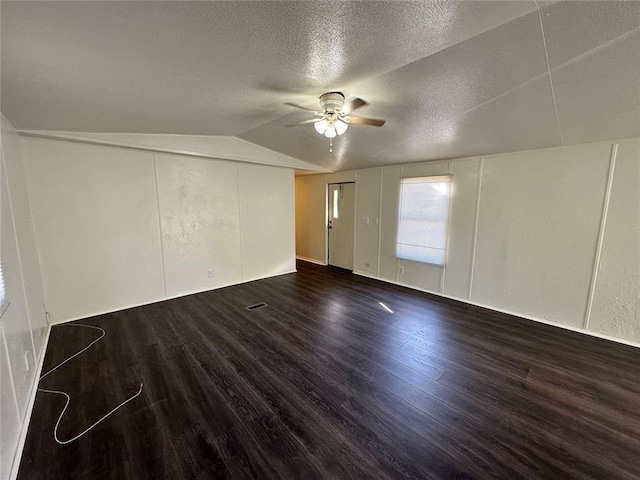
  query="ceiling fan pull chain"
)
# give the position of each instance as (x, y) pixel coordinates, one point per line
(331, 145)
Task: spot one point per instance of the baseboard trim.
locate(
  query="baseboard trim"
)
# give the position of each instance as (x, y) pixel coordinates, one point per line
(311, 260)
(15, 466)
(508, 312)
(126, 307)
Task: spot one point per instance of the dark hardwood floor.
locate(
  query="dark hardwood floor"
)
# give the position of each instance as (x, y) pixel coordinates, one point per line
(325, 383)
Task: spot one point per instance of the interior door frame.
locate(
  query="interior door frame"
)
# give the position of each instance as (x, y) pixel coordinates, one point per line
(327, 207)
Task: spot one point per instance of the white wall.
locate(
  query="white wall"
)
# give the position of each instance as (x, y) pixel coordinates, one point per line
(367, 229)
(22, 325)
(547, 234)
(538, 225)
(616, 300)
(267, 220)
(119, 227)
(200, 216)
(96, 215)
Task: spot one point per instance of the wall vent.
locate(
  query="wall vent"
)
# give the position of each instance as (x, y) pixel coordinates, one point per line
(256, 306)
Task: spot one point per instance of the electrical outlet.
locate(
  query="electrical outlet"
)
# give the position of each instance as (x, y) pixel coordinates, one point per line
(365, 220)
(375, 221)
(26, 361)
(367, 264)
(400, 269)
(210, 273)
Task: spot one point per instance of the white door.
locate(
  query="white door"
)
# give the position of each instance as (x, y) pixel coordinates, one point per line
(342, 198)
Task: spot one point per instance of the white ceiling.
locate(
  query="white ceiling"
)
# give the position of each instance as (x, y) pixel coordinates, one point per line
(452, 78)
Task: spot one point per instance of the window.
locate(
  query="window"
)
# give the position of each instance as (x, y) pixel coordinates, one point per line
(424, 219)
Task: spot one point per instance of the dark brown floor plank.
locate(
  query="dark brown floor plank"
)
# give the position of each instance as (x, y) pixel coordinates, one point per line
(325, 383)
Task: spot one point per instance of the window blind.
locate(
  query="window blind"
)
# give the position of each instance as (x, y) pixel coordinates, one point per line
(423, 220)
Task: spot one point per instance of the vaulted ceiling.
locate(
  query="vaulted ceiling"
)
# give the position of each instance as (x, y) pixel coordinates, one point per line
(452, 79)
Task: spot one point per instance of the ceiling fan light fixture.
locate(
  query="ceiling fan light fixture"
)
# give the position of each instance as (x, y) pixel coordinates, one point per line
(336, 115)
(341, 127)
(321, 126)
(330, 132)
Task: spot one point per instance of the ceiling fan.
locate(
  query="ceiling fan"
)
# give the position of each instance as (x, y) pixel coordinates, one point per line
(335, 115)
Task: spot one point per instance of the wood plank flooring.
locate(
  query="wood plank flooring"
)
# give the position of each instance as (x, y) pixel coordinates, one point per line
(325, 383)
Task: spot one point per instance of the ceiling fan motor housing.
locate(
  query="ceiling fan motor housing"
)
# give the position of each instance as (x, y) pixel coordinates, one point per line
(332, 102)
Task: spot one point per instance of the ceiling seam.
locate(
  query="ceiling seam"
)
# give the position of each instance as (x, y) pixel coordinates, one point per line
(86, 138)
(546, 54)
(475, 107)
(600, 47)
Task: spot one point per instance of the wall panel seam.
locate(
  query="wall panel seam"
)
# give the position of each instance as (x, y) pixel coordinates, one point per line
(293, 209)
(32, 399)
(355, 219)
(11, 381)
(35, 228)
(240, 221)
(15, 238)
(603, 222)
(443, 272)
(326, 218)
(379, 220)
(475, 228)
(395, 243)
(160, 231)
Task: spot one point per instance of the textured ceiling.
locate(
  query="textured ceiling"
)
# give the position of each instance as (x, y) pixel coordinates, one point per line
(451, 78)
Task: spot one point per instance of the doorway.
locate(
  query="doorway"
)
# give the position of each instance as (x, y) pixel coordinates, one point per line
(342, 198)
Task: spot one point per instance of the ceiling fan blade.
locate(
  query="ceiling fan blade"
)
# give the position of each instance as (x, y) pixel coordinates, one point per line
(353, 104)
(299, 106)
(367, 121)
(304, 122)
